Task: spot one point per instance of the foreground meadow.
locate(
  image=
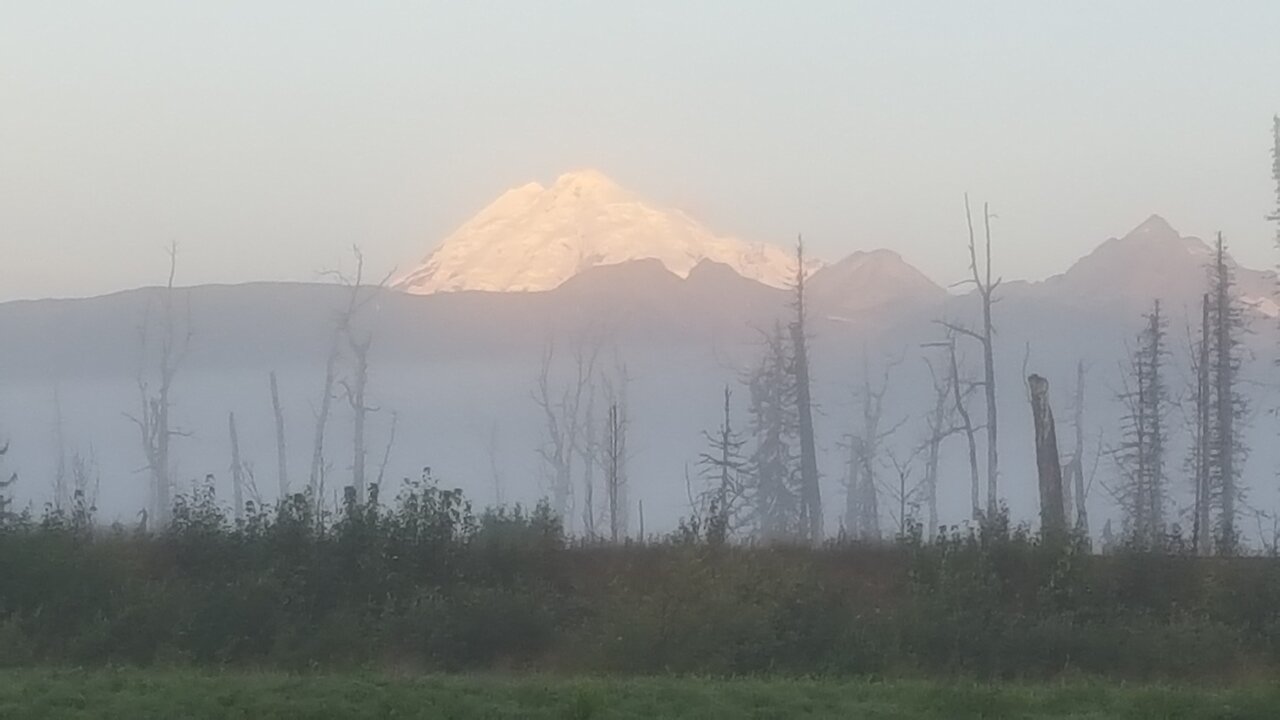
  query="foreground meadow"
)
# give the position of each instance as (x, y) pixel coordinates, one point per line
(142, 694)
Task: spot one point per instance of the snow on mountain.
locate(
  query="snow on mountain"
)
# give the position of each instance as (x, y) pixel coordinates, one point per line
(535, 238)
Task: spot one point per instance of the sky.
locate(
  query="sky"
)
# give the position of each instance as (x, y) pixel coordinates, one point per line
(266, 138)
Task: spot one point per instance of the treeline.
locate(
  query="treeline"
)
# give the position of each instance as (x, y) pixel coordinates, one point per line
(757, 474)
(423, 582)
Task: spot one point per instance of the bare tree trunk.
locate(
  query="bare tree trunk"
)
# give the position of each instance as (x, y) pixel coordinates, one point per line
(853, 487)
(615, 449)
(564, 422)
(939, 429)
(61, 487)
(810, 488)
(386, 450)
(315, 482)
(153, 421)
(966, 423)
(237, 470)
(1081, 521)
(1224, 376)
(1052, 517)
(282, 468)
(6, 496)
(589, 453)
(356, 390)
(1201, 530)
(989, 379)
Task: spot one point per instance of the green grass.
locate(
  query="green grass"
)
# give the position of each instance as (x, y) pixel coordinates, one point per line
(142, 694)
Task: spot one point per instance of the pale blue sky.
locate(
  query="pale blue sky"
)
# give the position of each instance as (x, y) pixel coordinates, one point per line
(266, 137)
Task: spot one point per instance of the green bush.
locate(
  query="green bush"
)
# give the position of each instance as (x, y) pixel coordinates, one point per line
(423, 582)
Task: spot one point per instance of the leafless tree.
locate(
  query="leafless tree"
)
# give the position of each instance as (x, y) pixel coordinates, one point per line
(1226, 450)
(959, 396)
(773, 477)
(1201, 533)
(355, 385)
(356, 390)
(315, 481)
(589, 453)
(86, 481)
(282, 463)
(986, 287)
(154, 420)
(942, 423)
(905, 494)
(862, 486)
(386, 449)
(810, 489)
(614, 453)
(1078, 493)
(563, 409)
(1142, 492)
(61, 480)
(6, 494)
(722, 466)
(237, 470)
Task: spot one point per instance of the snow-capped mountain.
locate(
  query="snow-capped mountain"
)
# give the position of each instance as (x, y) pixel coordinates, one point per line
(535, 238)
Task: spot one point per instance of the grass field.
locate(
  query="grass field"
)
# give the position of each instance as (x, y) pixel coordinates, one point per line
(139, 694)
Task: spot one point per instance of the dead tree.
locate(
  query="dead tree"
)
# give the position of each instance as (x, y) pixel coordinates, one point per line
(386, 449)
(904, 495)
(1201, 533)
(942, 423)
(1048, 465)
(614, 452)
(1226, 446)
(615, 448)
(563, 408)
(153, 419)
(811, 492)
(356, 391)
(6, 494)
(589, 453)
(985, 286)
(862, 510)
(237, 470)
(722, 465)
(1075, 466)
(774, 479)
(1141, 492)
(355, 385)
(86, 481)
(315, 481)
(959, 396)
(282, 465)
(61, 485)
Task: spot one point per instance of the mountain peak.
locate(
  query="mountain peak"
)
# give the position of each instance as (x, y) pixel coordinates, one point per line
(535, 238)
(1154, 226)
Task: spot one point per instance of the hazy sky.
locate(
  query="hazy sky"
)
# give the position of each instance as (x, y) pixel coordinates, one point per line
(266, 137)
